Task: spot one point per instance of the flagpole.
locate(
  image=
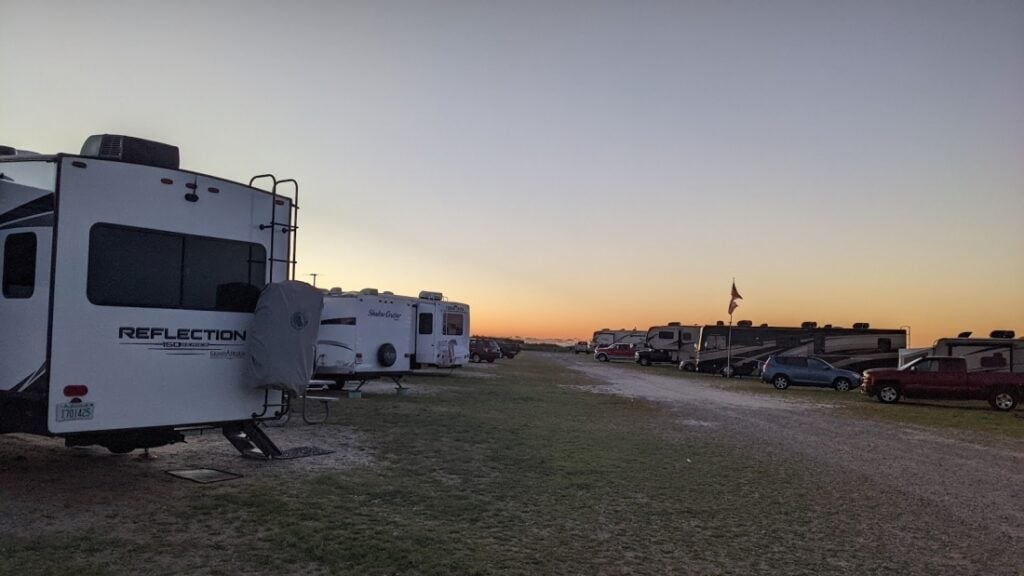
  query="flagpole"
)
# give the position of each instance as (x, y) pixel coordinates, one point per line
(728, 349)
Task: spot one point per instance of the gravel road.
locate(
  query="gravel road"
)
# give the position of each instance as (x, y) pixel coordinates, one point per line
(933, 501)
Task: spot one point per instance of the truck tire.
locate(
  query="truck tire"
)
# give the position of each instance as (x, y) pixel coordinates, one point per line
(842, 384)
(780, 381)
(688, 367)
(645, 361)
(475, 358)
(889, 394)
(1003, 400)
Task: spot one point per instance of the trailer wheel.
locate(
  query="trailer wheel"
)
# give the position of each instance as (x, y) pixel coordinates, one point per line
(1003, 400)
(387, 355)
(841, 384)
(475, 358)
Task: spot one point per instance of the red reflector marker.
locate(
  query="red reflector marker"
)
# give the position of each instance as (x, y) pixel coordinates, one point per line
(76, 390)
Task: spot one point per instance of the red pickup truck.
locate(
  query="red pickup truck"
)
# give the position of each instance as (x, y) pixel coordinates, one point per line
(944, 378)
(618, 351)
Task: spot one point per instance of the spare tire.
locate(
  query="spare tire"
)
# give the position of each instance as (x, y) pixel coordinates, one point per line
(387, 355)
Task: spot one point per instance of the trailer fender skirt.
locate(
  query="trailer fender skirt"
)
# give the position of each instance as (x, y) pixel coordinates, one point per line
(387, 355)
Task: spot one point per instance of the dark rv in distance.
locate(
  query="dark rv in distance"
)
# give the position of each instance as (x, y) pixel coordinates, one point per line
(858, 348)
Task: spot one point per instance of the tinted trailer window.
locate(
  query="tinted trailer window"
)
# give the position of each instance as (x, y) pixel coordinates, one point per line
(143, 268)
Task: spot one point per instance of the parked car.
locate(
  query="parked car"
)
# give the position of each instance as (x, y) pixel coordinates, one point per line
(581, 347)
(618, 351)
(509, 348)
(649, 356)
(481, 350)
(782, 371)
(944, 378)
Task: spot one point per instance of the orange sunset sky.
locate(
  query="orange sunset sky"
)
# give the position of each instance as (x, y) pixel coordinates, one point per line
(569, 166)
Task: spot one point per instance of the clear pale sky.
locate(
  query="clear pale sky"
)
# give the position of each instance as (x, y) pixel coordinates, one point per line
(569, 166)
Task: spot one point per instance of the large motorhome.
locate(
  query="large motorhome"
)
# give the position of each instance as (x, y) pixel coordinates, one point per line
(441, 331)
(129, 290)
(857, 348)
(673, 343)
(365, 335)
(1000, 352)
(605, 337)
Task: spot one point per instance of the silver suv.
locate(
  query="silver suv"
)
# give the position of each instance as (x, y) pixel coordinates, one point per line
(781, 371)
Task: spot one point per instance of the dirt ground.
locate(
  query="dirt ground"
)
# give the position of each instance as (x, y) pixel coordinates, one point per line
(909, 496)
(924, 489)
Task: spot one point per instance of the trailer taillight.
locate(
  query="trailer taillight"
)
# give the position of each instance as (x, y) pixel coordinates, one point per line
(76, 390)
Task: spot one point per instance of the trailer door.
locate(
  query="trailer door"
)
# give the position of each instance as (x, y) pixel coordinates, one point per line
(426, 333)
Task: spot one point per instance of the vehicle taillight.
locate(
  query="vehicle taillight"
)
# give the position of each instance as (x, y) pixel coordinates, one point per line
(76, 390)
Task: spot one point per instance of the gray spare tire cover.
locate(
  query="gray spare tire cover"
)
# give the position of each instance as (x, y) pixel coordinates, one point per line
(282, 342)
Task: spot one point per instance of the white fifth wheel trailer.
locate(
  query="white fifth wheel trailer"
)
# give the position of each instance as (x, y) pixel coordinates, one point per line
(672, 343)
(364, 335)
(606, 337)
(440, 331)
(1000, 352)
(129, 290)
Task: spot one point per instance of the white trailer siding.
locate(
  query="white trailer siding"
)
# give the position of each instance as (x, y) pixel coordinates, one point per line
(356, 329)
(26, 233)
(151, 366)
(442, 333)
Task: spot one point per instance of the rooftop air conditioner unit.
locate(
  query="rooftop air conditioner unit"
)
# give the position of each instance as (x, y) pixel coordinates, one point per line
(131, 149)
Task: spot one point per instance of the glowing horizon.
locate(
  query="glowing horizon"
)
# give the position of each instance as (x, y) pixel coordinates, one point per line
(567, 166)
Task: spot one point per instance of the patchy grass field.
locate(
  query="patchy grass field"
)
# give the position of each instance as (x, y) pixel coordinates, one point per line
(500, 469)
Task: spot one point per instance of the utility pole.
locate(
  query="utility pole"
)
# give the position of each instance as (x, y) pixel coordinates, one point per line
(314, 275)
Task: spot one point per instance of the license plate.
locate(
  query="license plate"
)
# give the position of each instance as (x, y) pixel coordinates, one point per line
(68, 411)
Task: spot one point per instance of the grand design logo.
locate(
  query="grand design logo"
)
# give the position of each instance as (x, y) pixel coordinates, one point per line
(299, 321)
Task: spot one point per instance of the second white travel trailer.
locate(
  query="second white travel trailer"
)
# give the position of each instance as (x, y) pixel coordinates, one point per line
(129, 291)
(742, 348)
(441, 331)
(606, 337)
(1000, 352)
(673, 343)
(365, 335)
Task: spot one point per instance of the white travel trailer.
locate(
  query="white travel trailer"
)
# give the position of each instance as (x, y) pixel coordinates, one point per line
(365, 335)
(677, 343)
(129, 288)
(441, 331)
(1000, 352)
(606, 337)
